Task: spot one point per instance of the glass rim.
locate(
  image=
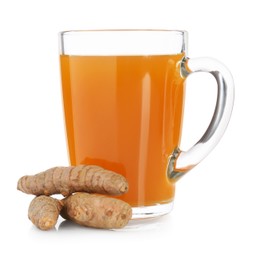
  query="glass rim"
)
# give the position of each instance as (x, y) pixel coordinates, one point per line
(122, 42)
(122, 30)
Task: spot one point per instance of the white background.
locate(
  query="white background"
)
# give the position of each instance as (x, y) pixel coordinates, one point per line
(214, 214)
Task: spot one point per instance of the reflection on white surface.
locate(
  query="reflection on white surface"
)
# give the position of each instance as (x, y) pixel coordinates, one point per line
(152, 224)
(134, 226)
(145, 224)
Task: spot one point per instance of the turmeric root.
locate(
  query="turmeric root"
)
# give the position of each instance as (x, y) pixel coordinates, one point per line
(44, 212)
(97, 211)
(66, 180)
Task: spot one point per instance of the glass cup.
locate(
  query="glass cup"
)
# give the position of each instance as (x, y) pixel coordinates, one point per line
(123, 95)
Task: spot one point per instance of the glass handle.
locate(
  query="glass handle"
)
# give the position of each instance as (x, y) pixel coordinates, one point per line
(182, 161)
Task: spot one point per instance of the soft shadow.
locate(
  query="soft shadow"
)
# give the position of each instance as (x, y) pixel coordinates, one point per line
(36, 232)
(138, 225)
(151, 224)
(68, 225)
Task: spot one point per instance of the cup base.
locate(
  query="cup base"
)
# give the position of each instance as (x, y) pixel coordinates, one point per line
(154, 211)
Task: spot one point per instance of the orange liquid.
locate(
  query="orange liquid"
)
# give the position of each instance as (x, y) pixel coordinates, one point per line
(124, 113)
